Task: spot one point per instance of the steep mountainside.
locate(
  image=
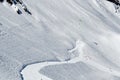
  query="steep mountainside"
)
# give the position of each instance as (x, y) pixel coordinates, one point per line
(52, 30)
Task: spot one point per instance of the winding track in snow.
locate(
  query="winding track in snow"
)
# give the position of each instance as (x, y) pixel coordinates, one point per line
(31, 72)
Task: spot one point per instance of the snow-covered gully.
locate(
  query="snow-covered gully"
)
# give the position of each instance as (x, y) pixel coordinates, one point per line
(31, 72)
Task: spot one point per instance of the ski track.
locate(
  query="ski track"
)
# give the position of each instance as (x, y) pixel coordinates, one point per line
(80, 45)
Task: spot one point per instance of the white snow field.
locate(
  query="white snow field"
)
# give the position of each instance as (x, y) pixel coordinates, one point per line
(62, 40)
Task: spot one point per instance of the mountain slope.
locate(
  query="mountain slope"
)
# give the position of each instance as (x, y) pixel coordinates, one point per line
(53, 29)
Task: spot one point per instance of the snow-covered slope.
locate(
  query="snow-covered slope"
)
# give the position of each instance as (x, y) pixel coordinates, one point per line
(52, 31)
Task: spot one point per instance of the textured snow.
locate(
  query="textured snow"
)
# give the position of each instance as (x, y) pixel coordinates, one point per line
(50, 36)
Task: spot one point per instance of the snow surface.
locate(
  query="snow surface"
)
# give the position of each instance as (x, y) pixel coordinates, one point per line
(62, 40)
